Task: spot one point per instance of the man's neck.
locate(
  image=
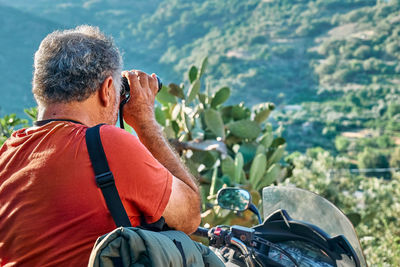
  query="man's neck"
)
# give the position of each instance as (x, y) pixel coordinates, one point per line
(77, 111)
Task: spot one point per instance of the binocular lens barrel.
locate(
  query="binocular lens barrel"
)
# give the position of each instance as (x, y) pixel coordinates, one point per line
(125, 85)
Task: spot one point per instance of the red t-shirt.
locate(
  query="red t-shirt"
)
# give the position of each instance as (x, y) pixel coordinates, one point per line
(51, 211)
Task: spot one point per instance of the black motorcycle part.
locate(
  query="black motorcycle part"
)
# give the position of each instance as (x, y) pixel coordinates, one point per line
(201, 231)
(219, 237)
(280, 227)
(244, 234)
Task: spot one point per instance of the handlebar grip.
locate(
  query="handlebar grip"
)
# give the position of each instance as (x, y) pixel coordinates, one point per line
(201, 231)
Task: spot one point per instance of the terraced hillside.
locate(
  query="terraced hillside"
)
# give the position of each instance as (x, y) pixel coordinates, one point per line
(329, 65)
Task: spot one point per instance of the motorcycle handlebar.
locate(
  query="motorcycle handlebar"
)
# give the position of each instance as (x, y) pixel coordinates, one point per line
(201, 231)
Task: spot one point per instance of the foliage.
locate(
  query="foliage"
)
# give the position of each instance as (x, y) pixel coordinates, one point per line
(8, 124)
(249, 157)
(372, 159)
(354, 63)
(395, 158)
(333, 61)
(375, 201)
(223, 145)
(336, 59)
(32, 113)
(341, 143)
(261, 51)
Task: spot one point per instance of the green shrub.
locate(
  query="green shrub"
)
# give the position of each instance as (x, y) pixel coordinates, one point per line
(371, 158)
(8, 124)
(393, 109)
(395, 158)
(344, 76)
(342, 143)
(362, 52)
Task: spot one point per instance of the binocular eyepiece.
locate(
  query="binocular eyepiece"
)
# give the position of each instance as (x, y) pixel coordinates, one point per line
(125, 86)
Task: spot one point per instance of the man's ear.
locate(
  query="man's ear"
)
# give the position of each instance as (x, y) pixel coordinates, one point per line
(105, 92)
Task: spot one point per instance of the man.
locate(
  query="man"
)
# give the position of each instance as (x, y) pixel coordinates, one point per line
(51, 211)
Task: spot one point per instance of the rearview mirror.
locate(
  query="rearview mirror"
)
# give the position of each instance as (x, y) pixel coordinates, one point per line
(234, 199)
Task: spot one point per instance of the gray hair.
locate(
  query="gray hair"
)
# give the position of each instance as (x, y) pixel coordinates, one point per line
(71, 65)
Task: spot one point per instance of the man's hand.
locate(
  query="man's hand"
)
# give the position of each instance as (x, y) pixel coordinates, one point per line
(183, 209)
(139, 111)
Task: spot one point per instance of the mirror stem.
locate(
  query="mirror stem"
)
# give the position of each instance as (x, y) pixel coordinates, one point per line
(254, 209)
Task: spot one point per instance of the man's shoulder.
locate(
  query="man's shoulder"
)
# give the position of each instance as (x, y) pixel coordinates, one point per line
(111, 131)
(112, 136)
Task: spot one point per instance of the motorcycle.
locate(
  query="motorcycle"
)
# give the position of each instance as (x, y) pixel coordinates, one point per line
(300, 229)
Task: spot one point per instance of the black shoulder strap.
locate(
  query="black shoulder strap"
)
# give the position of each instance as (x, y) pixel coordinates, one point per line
(104, 177)
(178, 245)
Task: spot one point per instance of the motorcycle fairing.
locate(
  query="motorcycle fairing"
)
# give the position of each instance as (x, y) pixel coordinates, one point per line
(279, 227)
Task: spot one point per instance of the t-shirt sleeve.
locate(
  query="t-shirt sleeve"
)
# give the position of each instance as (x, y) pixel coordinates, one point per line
(143, 184)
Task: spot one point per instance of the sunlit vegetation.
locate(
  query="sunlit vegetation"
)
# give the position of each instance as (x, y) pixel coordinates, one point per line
(331, 67)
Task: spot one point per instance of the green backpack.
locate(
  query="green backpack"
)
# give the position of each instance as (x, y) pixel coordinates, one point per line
(132, 246)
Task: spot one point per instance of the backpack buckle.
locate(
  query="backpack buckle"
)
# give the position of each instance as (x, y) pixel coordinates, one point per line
(105, 179)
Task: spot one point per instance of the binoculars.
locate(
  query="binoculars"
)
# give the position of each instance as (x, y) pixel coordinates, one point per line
(125, 86)
(125, 96)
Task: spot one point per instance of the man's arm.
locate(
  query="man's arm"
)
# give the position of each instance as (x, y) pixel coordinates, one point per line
(183, 209)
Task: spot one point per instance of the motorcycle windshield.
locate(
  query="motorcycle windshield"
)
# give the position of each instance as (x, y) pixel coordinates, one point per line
(309, 207)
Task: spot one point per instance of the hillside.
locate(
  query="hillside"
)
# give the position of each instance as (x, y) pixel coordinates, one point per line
(356, 64)
(112, 16)
(259, 48)
(20, 36)
(329, 65)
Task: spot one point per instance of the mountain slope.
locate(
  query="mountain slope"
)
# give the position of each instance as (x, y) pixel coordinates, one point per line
(20, 36)
(336, 61)
(356, 64)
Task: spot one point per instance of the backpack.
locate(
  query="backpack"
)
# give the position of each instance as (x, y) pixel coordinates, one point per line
(148, 245)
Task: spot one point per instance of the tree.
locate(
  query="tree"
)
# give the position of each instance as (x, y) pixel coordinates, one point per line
(370, 159)
(362, 52)
(395, 158)
(342, 143)
(393, 109)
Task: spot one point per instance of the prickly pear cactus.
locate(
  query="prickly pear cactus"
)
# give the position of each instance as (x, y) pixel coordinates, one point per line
(223, 145)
